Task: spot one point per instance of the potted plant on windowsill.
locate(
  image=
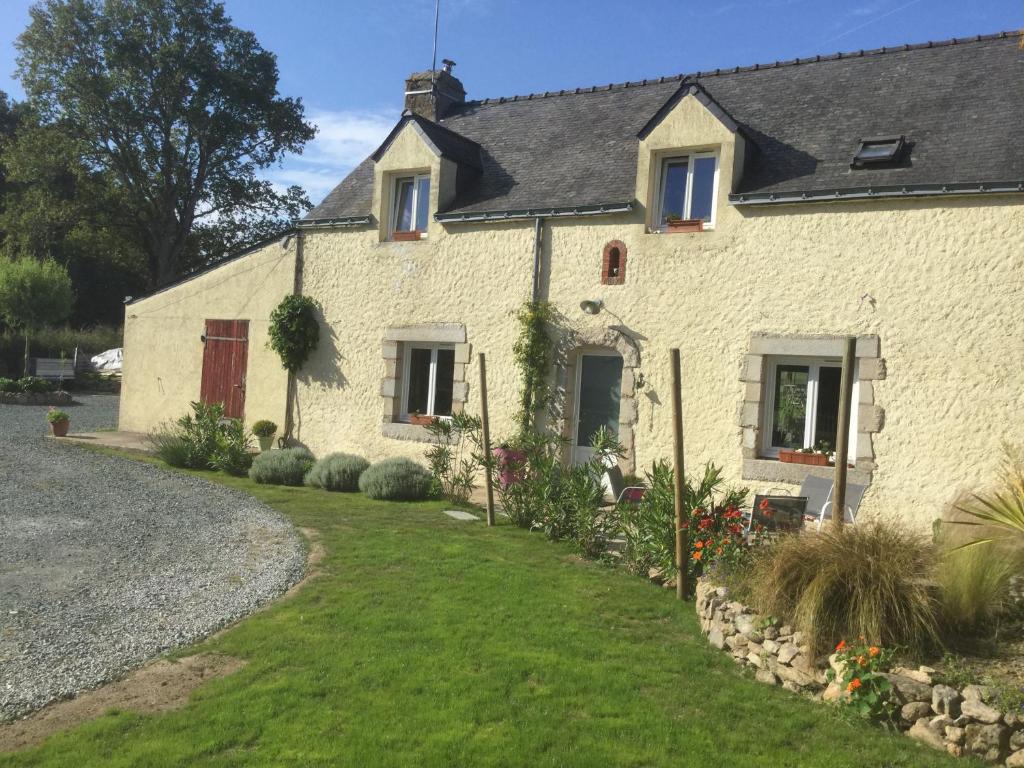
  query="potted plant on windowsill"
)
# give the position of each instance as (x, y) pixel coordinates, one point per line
(420, 419)
(59, 422)
(815, 457)
(264, 431)
(676, 223)
(401, 237)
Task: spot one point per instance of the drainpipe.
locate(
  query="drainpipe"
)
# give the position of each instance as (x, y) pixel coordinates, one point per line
(289, 421)
(538, 249)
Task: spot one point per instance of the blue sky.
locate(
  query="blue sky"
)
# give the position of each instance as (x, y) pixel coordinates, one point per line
(347, 60)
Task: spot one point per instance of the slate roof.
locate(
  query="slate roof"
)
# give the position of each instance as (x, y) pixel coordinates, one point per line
(960, 104)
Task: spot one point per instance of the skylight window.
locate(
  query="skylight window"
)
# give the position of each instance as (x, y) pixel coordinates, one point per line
(878, 151)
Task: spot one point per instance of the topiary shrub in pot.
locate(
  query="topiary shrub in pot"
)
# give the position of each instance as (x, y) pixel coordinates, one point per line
(396, 479)
(337, 472)
(264, 431)
(285, 467)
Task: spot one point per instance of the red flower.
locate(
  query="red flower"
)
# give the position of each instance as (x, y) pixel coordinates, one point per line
(764, 504)
(854, 685)
(841, 646)
(705, 523)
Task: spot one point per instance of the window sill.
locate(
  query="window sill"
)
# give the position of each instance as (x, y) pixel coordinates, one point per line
(400, 430)
(773, 470)
(703, 231)
(406, 237)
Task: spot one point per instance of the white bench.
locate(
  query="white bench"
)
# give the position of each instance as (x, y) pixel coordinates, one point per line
(55, 369)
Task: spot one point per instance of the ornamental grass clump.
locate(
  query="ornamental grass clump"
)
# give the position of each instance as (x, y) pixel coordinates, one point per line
(975, 588)
(288, 466)
(337, 472)
(396, 479)
(876, 580)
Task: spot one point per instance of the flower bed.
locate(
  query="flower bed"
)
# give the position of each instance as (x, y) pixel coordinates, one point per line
(35, 398)
(961, 722)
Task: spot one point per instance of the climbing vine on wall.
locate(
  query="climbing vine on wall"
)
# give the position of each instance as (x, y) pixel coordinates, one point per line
(532, 352)
(294, 330)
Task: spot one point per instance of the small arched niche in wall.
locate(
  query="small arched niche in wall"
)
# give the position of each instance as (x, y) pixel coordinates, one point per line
(613, 263)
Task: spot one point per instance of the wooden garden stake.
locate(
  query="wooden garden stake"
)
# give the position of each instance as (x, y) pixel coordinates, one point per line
(682, 535)
(488, 481)
(843, 431)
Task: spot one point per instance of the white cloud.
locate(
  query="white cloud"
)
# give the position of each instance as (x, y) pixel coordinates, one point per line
(344, 139)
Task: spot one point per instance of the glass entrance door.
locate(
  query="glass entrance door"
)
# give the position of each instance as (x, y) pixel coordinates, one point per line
(598, 389)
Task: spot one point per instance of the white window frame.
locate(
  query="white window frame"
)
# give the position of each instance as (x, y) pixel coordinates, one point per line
(659, 200)
(393, 223)
(814, 365)
(408, 347)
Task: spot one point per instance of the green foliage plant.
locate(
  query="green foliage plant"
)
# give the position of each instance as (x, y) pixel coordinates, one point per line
(264, 428)
(8, 385)
(715, 523)
(34, 385)
(55, 415)
(861, 678)
(33, 294)
(232, 449)
(396, 479)
(288, 466)
(999, 512)
(294, 330)
(532, 352)
(204, 439)
(337, 472)
(975, 587)
(456, 455)
(876, 579)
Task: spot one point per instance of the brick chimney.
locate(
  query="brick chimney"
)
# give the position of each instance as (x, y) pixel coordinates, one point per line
(432, 97)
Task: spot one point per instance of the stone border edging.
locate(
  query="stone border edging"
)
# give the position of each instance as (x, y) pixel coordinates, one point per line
(959, 722)
(36, 398)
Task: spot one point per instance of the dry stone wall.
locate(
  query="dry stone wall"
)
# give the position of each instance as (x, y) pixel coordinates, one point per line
(961, 722)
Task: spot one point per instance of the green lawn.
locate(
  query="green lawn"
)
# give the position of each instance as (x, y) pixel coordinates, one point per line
(429, 642)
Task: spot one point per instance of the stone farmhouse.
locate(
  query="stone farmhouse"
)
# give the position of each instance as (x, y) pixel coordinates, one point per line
(752, 217)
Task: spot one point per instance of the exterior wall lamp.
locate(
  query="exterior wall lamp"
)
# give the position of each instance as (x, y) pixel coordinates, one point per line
(592, 306)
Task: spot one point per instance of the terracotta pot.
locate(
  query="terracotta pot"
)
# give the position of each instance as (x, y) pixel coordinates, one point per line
(510, 465)
(266, 442)
(788, 456)
(401, 237)
(419, 418)
(685, 225)
(60, 428)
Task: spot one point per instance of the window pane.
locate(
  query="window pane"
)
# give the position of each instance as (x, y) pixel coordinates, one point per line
(703, 188)
(600, 390)
(422, 203)
(790, 414)
(673, 196)
(445, 382)
(403, 205)
(826, 415)
(419, 379)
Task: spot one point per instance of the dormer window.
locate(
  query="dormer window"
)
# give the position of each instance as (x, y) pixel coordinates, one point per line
(411, 207)
(878, 151)
(686, 192)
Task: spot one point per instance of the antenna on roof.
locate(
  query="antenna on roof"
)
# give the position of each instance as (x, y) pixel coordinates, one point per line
(433, 57)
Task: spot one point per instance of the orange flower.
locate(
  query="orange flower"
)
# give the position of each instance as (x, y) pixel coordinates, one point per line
(718, 551)
(854, 685)
(861, 661)
(873, 651)
(697, 555)
(841, 646)
(698, 544)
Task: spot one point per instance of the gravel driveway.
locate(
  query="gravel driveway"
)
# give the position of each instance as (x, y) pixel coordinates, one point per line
(106, 562)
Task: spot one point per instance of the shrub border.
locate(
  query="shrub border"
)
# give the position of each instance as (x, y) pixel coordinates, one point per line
(36, 398)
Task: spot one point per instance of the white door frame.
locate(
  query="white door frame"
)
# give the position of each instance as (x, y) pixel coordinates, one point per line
(581, 454)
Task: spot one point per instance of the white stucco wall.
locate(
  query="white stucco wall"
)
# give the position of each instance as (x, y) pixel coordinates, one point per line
(163, 357)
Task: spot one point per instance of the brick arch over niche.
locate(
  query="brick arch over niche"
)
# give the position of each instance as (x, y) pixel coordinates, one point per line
(613, 263)
(571, 343)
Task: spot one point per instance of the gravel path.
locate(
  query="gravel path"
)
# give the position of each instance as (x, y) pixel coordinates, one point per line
(106, 562)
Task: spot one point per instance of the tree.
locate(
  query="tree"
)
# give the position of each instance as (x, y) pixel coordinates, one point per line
(171, 100)
(33, 294)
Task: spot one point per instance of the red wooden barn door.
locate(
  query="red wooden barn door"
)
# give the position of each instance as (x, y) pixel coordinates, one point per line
(225, 356)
